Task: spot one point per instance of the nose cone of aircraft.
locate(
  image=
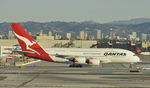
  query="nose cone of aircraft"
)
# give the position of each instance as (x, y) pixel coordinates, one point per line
(137, 59)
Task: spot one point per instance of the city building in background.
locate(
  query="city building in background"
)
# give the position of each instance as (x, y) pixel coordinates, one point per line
(85, 35)
(144, 37)
(68, 36)
(57, 37)
(82, 35)
(132, 37)
(42, 36)
(50, 33)
(99, 34)
(112, 35)
(10, 35)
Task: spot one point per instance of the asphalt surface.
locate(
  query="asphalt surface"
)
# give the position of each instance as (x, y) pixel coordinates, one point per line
(54, 75)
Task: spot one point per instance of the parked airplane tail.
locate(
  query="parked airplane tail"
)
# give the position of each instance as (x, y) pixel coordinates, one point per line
(138, 51)
(28, 44)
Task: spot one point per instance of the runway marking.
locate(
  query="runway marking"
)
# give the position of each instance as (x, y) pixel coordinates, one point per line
(24, 83)
(29, 63)
(130, 78)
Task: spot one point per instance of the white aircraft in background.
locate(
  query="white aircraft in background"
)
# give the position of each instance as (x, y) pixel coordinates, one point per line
(142, 53)
(10, 56)
(77, 56)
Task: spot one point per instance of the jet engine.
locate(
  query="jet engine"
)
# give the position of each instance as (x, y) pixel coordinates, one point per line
(93, 61)
(80, 60)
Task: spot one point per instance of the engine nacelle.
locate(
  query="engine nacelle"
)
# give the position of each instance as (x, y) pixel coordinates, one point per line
(93, 61)
(80, 60)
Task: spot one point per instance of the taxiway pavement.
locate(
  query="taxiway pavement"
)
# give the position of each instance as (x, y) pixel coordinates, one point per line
(54, 75)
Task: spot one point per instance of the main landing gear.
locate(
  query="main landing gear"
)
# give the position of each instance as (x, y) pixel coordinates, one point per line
(75, 65)
(133, 68)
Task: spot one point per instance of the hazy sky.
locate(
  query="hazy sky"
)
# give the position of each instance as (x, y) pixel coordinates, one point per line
(72, 10)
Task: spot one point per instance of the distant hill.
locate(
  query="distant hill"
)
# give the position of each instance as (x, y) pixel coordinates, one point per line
(75, 27)
(132, 21)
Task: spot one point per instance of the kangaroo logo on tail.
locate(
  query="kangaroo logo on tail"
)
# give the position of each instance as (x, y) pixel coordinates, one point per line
(27, 42)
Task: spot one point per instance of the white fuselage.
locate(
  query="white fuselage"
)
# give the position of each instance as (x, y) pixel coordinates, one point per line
(145, 53)
(105, 55)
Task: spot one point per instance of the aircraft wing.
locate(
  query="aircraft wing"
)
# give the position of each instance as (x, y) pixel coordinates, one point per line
(145, 53)
(65, 56)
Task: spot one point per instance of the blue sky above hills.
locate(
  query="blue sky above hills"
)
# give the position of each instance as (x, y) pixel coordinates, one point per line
(73, 10)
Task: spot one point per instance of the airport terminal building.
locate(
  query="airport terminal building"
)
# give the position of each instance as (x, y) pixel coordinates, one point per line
(6, 45)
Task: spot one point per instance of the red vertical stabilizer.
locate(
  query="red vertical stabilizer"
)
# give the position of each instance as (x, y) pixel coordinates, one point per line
(28, 44)
(138, 51)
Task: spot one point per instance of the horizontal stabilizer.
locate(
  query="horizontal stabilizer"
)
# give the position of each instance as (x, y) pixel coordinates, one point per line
(22, 52)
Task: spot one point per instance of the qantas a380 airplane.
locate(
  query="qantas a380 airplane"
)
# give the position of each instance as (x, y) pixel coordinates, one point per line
(77, 56)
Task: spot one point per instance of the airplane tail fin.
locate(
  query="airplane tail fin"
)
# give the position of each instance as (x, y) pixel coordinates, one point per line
(28, 44)
(138, 51)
